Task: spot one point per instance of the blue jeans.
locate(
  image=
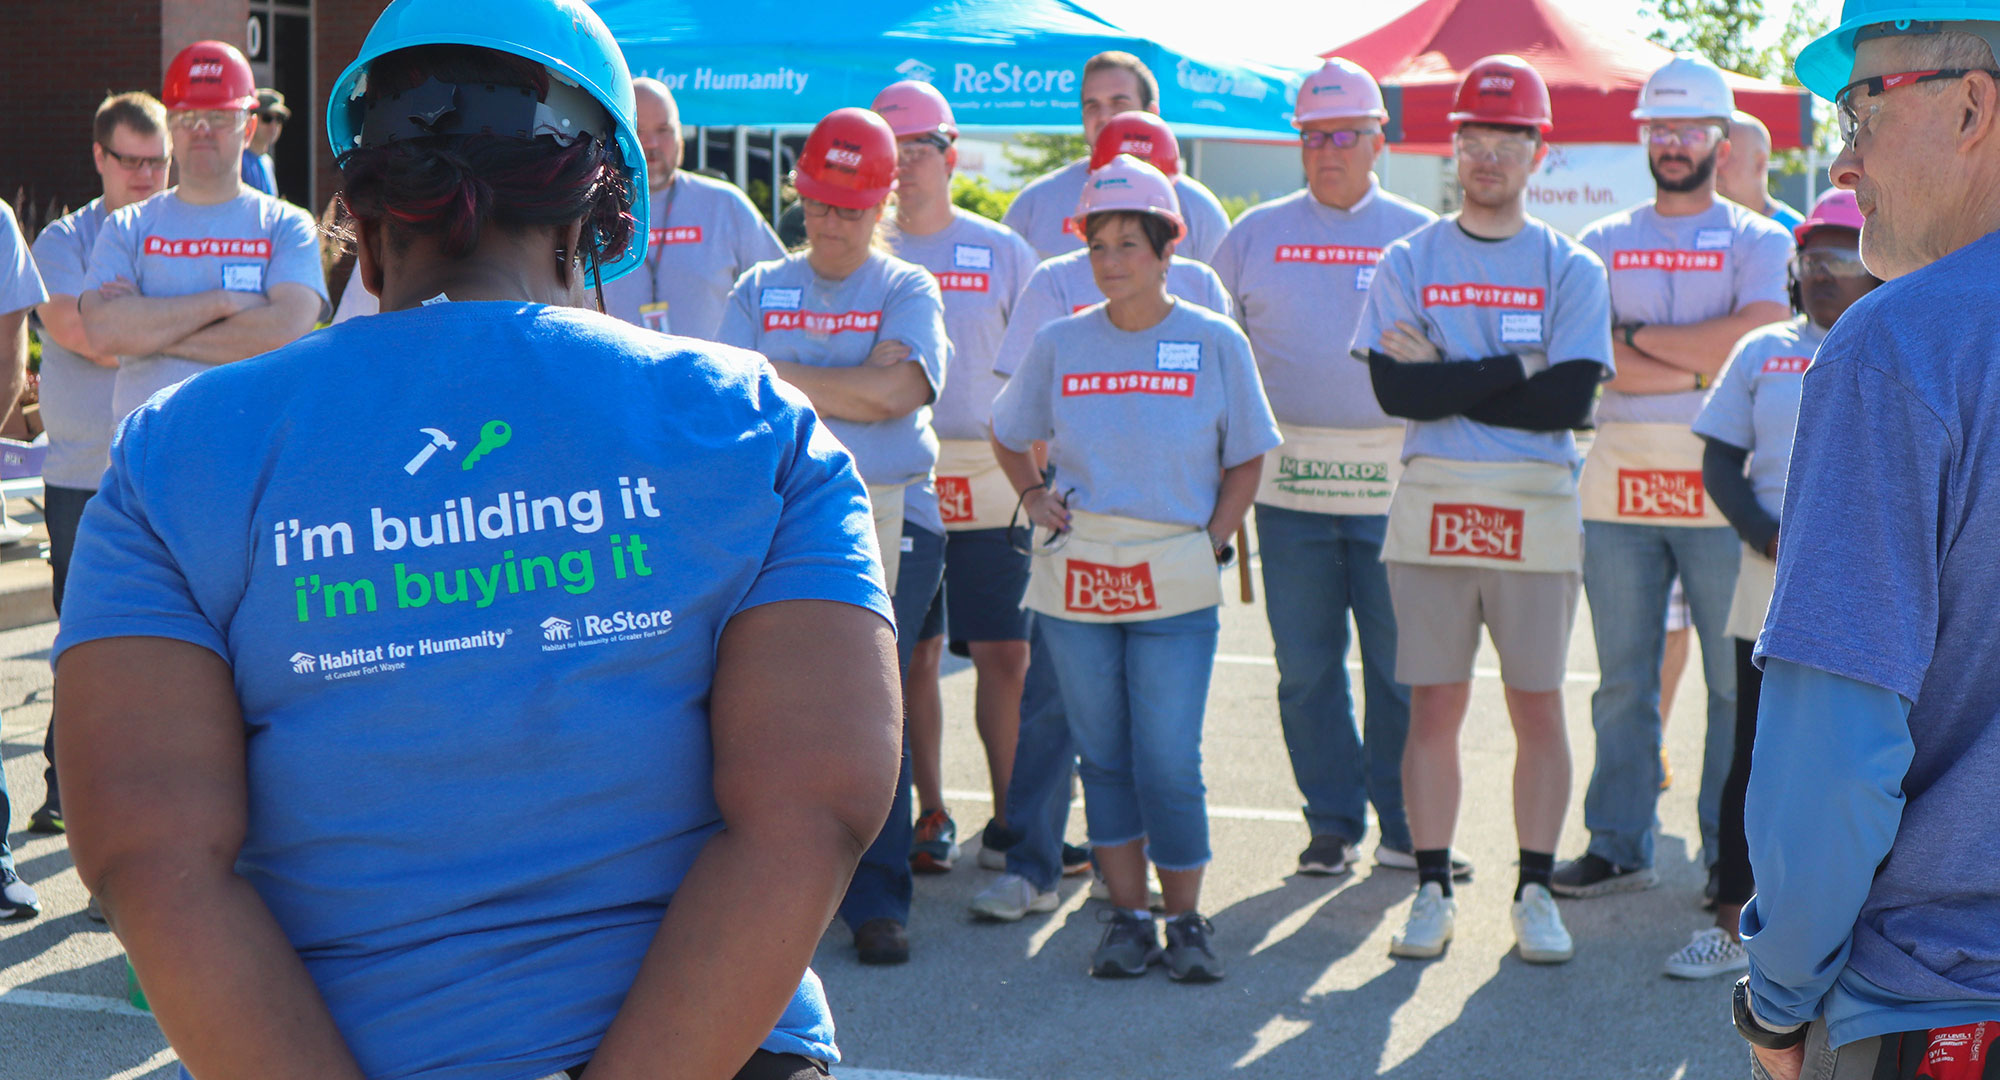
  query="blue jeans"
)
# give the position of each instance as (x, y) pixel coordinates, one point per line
(1044, 761)
(1628, 571)
(1317, 567)
(882, 884)
(1136, 693)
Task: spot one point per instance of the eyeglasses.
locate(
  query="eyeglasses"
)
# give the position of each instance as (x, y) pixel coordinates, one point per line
(1339, 140)
(1851, 120)
(1504, 149)
(1685, 137)
(919, 148)
(135, 162)
(206, 119)
(816, 208)
(1828, 262)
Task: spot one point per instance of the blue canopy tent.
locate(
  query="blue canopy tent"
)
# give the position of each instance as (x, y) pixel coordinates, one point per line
(1003, 64)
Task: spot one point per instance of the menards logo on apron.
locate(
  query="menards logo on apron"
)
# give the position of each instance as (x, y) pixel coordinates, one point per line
(1332, 470)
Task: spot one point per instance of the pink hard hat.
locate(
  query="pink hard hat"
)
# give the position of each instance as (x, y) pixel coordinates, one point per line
(1128, 184)
(1340, 88)
(1836, 209)
(915, 108)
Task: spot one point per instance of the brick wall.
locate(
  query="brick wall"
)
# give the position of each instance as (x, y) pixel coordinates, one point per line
(183, 22)
(63, 58)
(339, 26)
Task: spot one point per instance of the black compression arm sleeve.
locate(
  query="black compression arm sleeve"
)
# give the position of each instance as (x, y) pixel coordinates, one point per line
(1723, 477)
(1559, 399)
(1435, 391)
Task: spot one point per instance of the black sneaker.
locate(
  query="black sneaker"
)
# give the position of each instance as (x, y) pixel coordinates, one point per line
(1594, 875)
(882, 941)
(994, 841)
(48, 820)
(1129, 946)
(17, 899)
(1075, 860)
(1189, 958)
(1328, 855)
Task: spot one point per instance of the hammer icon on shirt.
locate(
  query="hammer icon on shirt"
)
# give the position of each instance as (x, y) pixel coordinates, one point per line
(438, 438)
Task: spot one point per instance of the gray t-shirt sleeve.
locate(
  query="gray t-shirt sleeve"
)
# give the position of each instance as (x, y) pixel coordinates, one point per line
(1390, 299)
(913, 313)
(755, 240)
(295, 255)
(1726, 415)
(1205, 218)
(1217, 298)
(739, 314)
(1020, 216)
(1251, 428)
(115, 254)
(1868, 489)
(1227, 262)
(20, 282)
(1038, 306)
(1582, 328)
(1760, 270)
(1021, 265)
(1023, 412)
(61, 258)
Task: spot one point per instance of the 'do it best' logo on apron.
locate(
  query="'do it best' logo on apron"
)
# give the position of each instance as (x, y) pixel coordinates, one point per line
(954, 495)
(1660, 493)
(1096, 589)
(1467, 530)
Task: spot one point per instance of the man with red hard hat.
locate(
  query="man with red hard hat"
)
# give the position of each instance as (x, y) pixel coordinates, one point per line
(862, 333)
(1690, 275)
(1298, 269)
(210, 271)
(1489, 331)
(980, 266)
(1113, 83)
(704, 233)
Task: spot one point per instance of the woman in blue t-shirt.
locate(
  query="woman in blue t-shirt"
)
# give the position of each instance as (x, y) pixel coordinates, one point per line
(484, 688)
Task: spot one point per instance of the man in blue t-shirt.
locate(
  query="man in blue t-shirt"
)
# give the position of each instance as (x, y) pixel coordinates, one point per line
(1874, 801)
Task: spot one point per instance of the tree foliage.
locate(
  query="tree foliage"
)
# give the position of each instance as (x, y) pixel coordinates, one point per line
(975, 194)
(1033, 153)
(1724, 32)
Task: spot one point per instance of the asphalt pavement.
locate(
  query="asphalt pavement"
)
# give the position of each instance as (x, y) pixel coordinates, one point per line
(1312, 992)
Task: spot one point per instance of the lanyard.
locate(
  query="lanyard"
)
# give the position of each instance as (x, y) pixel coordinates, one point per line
(655, 252)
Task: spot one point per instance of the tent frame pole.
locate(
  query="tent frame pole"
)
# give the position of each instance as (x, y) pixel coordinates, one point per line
(742, 162)
(777, 176)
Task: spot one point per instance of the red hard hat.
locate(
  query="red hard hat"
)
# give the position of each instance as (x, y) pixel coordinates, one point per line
(209, 75)
(849, 160)
(1503, 90)
(1142, 135)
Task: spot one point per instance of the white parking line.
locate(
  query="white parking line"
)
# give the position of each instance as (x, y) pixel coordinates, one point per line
(880, 1074)
(47, 999)
(1484, 672)
(1231, 813)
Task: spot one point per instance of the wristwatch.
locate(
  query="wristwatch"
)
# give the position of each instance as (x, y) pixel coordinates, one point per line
(1754, 1032)
(1631, 328)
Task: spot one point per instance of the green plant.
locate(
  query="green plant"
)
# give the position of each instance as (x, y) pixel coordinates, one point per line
(1234, 205)
(974, 193)
(1036, 152)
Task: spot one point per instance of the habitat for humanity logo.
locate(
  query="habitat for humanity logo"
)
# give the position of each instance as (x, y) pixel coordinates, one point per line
(914, 68)
(389, 656)
(304, 662)
(559, 633)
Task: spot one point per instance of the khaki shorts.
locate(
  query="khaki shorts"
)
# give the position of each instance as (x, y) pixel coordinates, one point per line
(1439, 610)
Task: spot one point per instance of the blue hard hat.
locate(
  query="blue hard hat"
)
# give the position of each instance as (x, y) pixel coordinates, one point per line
(564, 36)
(1826, 64)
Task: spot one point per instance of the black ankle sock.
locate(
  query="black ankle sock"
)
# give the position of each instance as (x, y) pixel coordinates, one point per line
(1434, 865)
(1536, 869)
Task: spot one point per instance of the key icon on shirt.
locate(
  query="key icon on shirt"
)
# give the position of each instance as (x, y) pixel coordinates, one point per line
(492, 436)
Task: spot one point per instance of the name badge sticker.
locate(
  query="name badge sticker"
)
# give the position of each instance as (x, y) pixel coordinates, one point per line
(781, 299)
(1178, 356)
(907, 544)
(1521, 327)
(654, 317)
(1713, 239)
(971, 257)
(243, 277)
(1364, 277)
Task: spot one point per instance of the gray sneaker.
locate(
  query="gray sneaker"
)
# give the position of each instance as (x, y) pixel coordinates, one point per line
(1189, 957)
(1130, 945)
(1594, 875)
(1328, 855)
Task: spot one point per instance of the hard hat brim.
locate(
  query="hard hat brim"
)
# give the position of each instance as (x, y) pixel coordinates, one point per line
(819, 190)
(1300, 122)
(1076, 222)
(1544, 126)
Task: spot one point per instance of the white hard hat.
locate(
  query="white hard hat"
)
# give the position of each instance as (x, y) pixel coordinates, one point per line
(1686, 88)
(1340, 88)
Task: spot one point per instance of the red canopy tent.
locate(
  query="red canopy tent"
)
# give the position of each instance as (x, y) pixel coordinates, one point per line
(1594, 74)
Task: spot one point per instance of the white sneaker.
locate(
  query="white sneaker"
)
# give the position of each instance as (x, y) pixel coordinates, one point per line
(1538, 928)
(1155, 900)
(991, 859)
(1432, 916)
(1398, 859)
(1710, 952)
(1010, 897)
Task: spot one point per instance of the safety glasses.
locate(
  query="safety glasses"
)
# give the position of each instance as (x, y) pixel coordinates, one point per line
(1492, 146)
(1852, 118)
(1828, 262)
(206, 120)
(1339, 140)
(1685, 136)
(815, 208)
(920, 148)
(136, 162)
(1022, 533)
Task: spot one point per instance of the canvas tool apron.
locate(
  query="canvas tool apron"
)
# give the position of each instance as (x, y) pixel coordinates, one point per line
(1647, 474)
(973, 491)
(1120, 569)
(1488, 515)
(1333, 470)
(887, 502)
(1756, 580)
